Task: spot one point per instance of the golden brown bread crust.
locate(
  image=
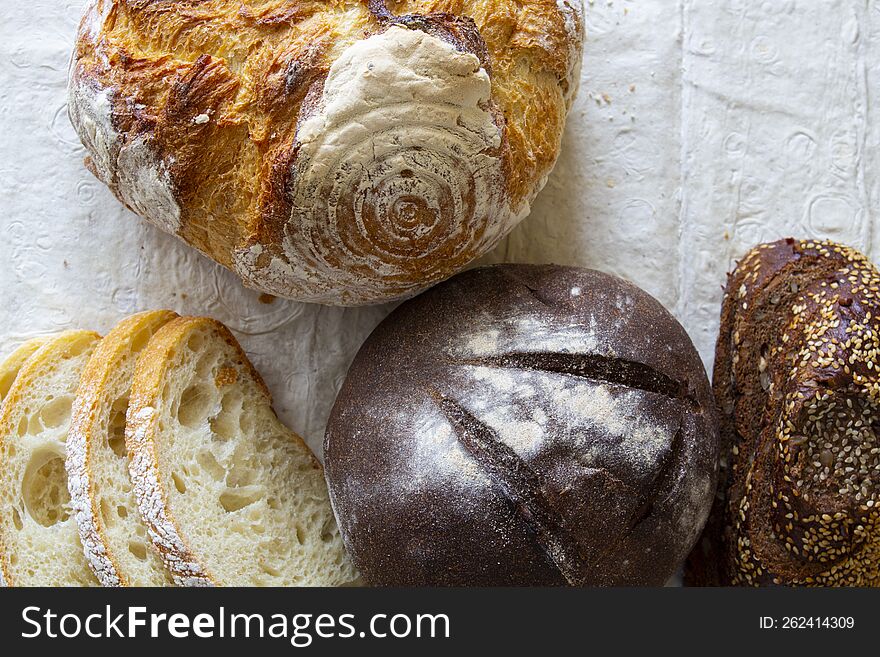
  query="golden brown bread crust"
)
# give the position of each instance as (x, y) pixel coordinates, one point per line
(192, 111)
(798, 388)
(10, 367)
(145, 411)
(84, 439)
(146, 393)
(62, 345)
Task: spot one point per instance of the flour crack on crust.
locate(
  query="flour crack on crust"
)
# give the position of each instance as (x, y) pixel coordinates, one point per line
(521, 485)
(132, 169)
(597, 367)
(401, 161)
(664, 471)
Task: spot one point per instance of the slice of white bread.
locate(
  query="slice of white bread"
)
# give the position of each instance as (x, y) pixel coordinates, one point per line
(39, 541)
(10, 367)
(230, 495)
(113, 536)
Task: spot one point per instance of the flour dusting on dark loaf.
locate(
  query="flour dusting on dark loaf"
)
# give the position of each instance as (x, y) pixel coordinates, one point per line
(797, 382)
(524, 425)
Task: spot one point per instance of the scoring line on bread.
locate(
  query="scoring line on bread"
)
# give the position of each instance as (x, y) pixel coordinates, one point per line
(524, 487)
(598, 367)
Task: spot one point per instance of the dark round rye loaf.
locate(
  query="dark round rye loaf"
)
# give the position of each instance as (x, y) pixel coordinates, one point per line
(797, 385)
(524, 425)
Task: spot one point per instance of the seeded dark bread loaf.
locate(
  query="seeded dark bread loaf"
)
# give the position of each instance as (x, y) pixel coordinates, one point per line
(797, 384)
(343, 152)
(524, 425)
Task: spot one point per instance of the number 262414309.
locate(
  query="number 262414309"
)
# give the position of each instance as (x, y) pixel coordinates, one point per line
(807, 623)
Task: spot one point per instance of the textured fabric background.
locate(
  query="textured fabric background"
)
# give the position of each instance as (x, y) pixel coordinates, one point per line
(701, 129)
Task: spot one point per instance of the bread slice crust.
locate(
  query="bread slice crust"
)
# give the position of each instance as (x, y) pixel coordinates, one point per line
(106, 379)
(20, 458)
(150, 425)
(13, 363)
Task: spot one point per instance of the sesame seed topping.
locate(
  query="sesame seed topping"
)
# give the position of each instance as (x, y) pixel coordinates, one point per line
(809, 476)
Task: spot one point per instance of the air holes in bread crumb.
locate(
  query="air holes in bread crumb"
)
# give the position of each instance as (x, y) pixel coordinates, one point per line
(196, 342)
(117, 444)
(196, 404)
(16, 519)
(116, 428)
(204, 368)
(34, 425)
(225, 426)
(107, 514)
(56, 412)
(234, 499)
(210, 464)
(328, 531)
(241, 471)
(138, 549)
(44, 488)
(246, 422)
(270, 570)
(179, 484)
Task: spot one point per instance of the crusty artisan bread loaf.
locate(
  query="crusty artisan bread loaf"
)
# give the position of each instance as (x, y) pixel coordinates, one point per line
(114, 537)
(338, 152)
(524, 425)
(39, 541)
(229, 494)
(797, 382)
(13, 363)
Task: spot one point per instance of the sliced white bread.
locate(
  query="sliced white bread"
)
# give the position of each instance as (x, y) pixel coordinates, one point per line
(230, 495)
(39, 541)
(113, 536)
(10, 367)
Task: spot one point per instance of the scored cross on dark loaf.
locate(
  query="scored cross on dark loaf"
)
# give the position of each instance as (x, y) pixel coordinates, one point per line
(524, 425)
(797, 383)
